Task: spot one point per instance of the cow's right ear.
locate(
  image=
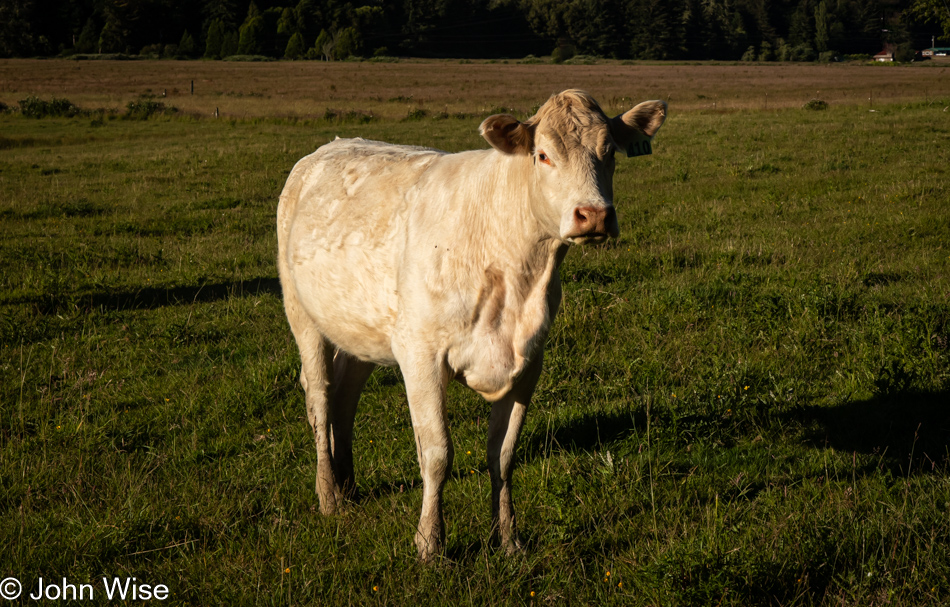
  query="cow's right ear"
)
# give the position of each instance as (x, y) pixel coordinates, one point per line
(506, 134)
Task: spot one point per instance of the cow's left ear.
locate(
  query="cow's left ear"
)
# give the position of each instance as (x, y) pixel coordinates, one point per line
(506, 134)
(633, 131)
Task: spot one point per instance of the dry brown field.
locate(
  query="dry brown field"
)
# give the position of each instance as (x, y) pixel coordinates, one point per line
(308, 89)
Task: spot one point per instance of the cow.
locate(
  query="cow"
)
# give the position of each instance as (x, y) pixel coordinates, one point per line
(447, 266)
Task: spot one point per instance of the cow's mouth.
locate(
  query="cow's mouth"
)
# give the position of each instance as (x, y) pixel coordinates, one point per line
(592, 238)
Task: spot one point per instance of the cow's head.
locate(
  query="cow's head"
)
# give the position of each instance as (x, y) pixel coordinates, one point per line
(572, 143)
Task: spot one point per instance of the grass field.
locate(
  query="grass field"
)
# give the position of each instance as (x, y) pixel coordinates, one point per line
(746, 398)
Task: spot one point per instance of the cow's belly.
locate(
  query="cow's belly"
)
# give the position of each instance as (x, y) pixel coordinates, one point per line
(342, 226)
(350, 294)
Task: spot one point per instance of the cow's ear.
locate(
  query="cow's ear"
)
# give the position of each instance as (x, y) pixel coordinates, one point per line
(633, 131)
(506, 134)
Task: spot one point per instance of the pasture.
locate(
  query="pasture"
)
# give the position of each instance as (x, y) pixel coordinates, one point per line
(745, 401)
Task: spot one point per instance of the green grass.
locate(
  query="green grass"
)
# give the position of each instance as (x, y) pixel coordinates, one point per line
(746, 398)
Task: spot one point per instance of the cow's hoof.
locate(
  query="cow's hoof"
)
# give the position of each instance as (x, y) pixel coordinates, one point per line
(514, 548)
(428, 557)
(429, 549)
(511, 542)
(331, 503)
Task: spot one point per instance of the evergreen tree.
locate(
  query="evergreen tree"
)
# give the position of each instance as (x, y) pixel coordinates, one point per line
(116, 34)
(221, 10)
(229, 44)
(801, 28)
(324, 45)
(693, 27)
(651, 28)
(822, 29)
(112, 37)
(758, 20)
(214, 40)
(16, 37)
(295, 47)
(595, 26)
(738, 35)
(286, 27)
(251, 33)
(89, 37)
(719, 42)
(698, 29)
(349, 43)
(305, 13)
(187, 46)
(249, 37)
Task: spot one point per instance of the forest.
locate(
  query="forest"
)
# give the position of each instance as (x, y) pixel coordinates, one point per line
(762, 30)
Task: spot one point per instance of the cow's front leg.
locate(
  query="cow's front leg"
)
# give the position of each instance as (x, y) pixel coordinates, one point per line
(426, 382)
(507, 418)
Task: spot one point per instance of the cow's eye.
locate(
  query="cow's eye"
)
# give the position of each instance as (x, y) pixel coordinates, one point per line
(544, 158)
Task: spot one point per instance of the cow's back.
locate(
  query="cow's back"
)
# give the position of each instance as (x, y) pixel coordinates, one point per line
(348, 182)
(341, 230)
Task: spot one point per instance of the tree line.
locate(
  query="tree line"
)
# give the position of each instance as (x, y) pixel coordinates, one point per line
(332, 29)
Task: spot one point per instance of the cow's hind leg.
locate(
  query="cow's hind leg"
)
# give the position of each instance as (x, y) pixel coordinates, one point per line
(349, 377)
(507, 418)
(316, 375)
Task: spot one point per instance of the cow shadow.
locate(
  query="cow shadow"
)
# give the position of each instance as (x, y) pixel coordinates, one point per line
(585, 433)
(151, 297)
(908, 431)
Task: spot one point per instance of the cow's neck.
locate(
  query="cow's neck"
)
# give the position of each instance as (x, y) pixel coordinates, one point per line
(513, 217)
(524, 251)
(510, 259)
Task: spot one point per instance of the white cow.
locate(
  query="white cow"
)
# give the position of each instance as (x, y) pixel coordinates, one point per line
(446, 265)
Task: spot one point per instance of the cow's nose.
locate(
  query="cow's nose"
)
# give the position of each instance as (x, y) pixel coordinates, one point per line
(595, 221)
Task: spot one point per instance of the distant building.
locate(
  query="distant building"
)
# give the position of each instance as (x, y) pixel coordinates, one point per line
(941, 52)
(887, 54)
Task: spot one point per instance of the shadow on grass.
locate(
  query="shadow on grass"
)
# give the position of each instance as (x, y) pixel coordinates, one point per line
(153, 297)
(587, 432)
(909, 431)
